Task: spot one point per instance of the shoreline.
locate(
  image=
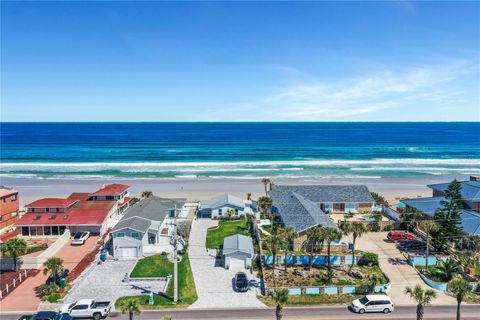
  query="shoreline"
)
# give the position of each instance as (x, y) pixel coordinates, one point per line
(193, 189)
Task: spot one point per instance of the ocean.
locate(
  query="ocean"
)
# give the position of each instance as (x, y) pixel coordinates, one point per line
(239, 150)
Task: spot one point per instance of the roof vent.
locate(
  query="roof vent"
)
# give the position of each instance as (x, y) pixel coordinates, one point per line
(65, 217)
(37, 217)
(52, 217)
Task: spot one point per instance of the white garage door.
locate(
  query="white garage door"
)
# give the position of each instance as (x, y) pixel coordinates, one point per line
(128, 253)
(237, 263)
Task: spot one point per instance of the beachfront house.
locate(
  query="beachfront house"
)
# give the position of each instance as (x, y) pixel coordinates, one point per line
(9, 207)
(50, 217)
(146, 228)
(305, 206)
(470, 214)
(218, 207)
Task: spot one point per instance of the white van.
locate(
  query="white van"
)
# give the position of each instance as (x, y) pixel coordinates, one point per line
(373, 303)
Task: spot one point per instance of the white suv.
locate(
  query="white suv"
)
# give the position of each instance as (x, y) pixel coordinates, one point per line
(373, 303)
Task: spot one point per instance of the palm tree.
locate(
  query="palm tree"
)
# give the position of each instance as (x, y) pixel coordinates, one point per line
(52, 266)
(270, 185)
(315, 237)
(460, 288)
(469, 260)
(357, 229)
(14, 247)
(131, 306)
(429, 227)
(447, 269)
(422, 297)
(265, 182)
(280, 296)
(331, 234)
(289, 234)
(374, 279)
(275, 242)
(249, 195)
(265, 204)
(250, 222)
(230, 212)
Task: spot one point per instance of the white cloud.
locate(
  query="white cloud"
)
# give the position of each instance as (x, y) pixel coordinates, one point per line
(353, 97)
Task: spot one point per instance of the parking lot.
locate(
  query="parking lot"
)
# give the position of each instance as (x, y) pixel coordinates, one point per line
(395, 266)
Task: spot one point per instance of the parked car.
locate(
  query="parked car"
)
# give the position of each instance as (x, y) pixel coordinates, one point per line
(241, 282)
(87, 308)
(25, 317)
(80, 237)
(372, 303)
(414, 245)
(400, 236)
(50, 315)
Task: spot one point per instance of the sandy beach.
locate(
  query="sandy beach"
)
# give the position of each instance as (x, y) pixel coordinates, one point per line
(203, 188)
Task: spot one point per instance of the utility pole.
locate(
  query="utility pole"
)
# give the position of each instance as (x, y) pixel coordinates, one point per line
(175, 257)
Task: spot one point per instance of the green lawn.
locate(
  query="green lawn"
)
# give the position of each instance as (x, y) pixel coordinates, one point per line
(225, 229)
(186, 288)
(152, 267)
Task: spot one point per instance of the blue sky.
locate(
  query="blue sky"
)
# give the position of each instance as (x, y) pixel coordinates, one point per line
(251, 61)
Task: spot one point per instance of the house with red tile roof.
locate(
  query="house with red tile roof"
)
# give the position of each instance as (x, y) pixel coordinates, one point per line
(50, 217)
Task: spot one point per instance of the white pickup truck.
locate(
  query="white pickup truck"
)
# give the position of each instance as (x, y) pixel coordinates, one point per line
(87, 308)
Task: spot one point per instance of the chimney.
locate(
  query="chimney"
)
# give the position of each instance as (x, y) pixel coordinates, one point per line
(475, 178)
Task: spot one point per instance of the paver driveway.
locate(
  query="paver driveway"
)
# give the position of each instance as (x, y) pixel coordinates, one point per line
(24, 297)
(395, 266)
(104, 283)
(214, 283)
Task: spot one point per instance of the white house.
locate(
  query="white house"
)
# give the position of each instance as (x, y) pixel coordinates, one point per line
(146, 223)
(217, 207)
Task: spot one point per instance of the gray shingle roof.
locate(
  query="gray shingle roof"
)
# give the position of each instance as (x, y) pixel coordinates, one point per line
(299, 212)
(237, 243)
(223, 200)
(134, 223)
(327, 193)
(154, 208)
(141, 214)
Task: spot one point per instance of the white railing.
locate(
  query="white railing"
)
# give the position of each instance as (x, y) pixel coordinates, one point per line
(14, 282)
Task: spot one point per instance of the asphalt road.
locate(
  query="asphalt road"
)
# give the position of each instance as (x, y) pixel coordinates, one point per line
(325, 312)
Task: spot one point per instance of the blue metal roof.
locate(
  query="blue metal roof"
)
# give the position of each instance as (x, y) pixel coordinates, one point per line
(470, 189)
(470, 219)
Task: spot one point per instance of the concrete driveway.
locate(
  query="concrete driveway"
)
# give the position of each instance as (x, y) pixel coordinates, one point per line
(214, 283)
(104, 283)
(395, 266)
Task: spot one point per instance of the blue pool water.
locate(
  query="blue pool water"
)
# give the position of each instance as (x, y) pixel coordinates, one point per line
(239, 149)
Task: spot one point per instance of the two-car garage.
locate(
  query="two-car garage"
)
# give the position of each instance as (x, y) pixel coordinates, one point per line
(237, 252)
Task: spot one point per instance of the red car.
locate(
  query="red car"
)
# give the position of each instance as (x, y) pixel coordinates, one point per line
(400, 236)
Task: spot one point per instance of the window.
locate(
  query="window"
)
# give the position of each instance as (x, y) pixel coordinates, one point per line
(47, 231)
(25, 231)
(61, 229)
(55, 230)
(135, 235)
(1, 218)
(219, 212)
(14, 214)
(80, 307)
(236, 212)
(120, 234)
(33, 231)
(32, 209)
(58, 209)
(328, 207)
(47, 209)
(14, 197)
(350, 207)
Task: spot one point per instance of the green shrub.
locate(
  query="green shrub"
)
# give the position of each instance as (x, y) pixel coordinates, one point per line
(54, 297)
(374, 226)
(47, 289)
(369, 259)
(388, 228)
